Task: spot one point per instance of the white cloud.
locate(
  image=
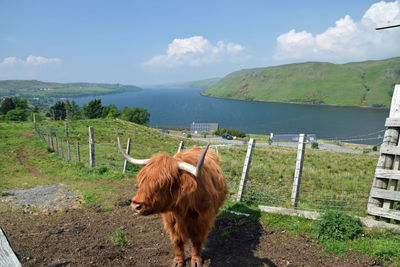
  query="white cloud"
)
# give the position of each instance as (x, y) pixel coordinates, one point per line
(347, 40)
(195, 51)
(16, 68)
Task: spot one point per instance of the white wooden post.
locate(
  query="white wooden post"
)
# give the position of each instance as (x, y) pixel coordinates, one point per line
(246, 168)
(181, 146)
(91, 147)
(298, 171)
(128, 149)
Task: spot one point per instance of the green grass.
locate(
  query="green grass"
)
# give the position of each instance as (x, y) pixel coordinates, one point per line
(367, 83)
(118, 237)
(339, 176)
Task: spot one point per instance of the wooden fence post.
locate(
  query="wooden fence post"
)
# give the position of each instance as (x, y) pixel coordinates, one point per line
(69, 151)
(34, 121)
(62, 148)
(66, 128)
(128, 149)
(57, 145)
(92, 162)
(181, 146)
(48, 140)
(246, 168)
(52, 142)
(78, 151)
(298, 171)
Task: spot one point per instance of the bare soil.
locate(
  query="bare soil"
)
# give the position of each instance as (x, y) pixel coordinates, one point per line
(79, 237)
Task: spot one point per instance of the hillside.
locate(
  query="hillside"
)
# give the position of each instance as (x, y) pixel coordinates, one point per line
(368, 83)
(43, 92)
(191, 84)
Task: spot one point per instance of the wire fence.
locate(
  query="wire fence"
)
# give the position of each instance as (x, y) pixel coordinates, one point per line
(330, 180)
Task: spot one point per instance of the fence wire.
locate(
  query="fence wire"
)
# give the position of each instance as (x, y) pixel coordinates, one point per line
(330, 180)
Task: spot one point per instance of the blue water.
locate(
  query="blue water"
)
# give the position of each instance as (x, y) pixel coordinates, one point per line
(180, 107)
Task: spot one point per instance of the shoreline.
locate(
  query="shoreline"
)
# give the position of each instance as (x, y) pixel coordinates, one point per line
(295, 103)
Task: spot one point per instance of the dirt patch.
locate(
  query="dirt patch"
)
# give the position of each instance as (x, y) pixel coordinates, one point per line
(28, 134)
(23, 160)
(43, 197)
(80, 238)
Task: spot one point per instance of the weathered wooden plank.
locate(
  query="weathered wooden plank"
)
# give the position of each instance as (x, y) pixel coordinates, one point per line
(390, 150)
(381, 212)
(388, 174)
(7, 255)
(392, 122)
(315, 215)
(385, 194)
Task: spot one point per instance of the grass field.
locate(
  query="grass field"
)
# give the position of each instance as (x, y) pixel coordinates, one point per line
(25, 162)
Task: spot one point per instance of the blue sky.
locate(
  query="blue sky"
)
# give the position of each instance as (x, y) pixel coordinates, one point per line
(154, 42)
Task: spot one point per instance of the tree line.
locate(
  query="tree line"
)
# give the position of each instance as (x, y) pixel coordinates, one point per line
(17, 109)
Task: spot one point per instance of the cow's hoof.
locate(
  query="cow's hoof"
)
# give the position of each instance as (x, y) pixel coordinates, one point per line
(178, 264)
(197, 264)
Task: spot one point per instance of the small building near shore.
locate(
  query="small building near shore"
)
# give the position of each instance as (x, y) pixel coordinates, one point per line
(202, 127)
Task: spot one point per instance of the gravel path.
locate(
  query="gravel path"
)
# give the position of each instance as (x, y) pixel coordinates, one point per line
(42, 197)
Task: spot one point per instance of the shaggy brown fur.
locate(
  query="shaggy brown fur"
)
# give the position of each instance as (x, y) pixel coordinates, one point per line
(188, 205)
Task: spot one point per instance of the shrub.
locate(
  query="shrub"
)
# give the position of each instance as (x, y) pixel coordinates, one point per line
(314, 145)
(102, 170)
(375, 148)
(336, 225)
(189, 135)
(17, 115)
(230, 131)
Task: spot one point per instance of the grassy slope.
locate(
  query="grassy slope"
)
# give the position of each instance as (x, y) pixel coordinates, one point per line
(105, 188)
(367, 83)
(33, 88)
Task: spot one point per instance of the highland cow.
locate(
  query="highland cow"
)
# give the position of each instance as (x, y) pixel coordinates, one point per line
(188, 197)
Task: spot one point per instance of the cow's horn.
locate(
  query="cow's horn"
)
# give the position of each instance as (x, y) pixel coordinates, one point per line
(196, 171)
(138, 162)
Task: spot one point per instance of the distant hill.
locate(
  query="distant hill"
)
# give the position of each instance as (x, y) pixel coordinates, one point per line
(368, 83)
(192, 84)
(201, 83)
(44, 92)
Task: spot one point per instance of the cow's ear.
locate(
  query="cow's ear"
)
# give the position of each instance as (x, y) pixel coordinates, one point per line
(187, 183)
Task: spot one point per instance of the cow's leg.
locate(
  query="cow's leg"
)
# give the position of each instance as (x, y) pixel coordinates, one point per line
(196, 251)
(177, 239)
(179, 253)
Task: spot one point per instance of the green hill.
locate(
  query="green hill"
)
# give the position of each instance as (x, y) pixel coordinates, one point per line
(368, 83)
(43, 92)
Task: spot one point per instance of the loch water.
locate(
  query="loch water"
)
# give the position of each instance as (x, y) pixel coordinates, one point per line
(182, 106)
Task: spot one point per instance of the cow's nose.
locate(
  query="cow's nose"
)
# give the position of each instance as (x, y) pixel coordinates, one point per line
(137, 207)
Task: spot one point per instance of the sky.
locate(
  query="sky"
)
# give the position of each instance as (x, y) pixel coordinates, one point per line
(170, 41)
